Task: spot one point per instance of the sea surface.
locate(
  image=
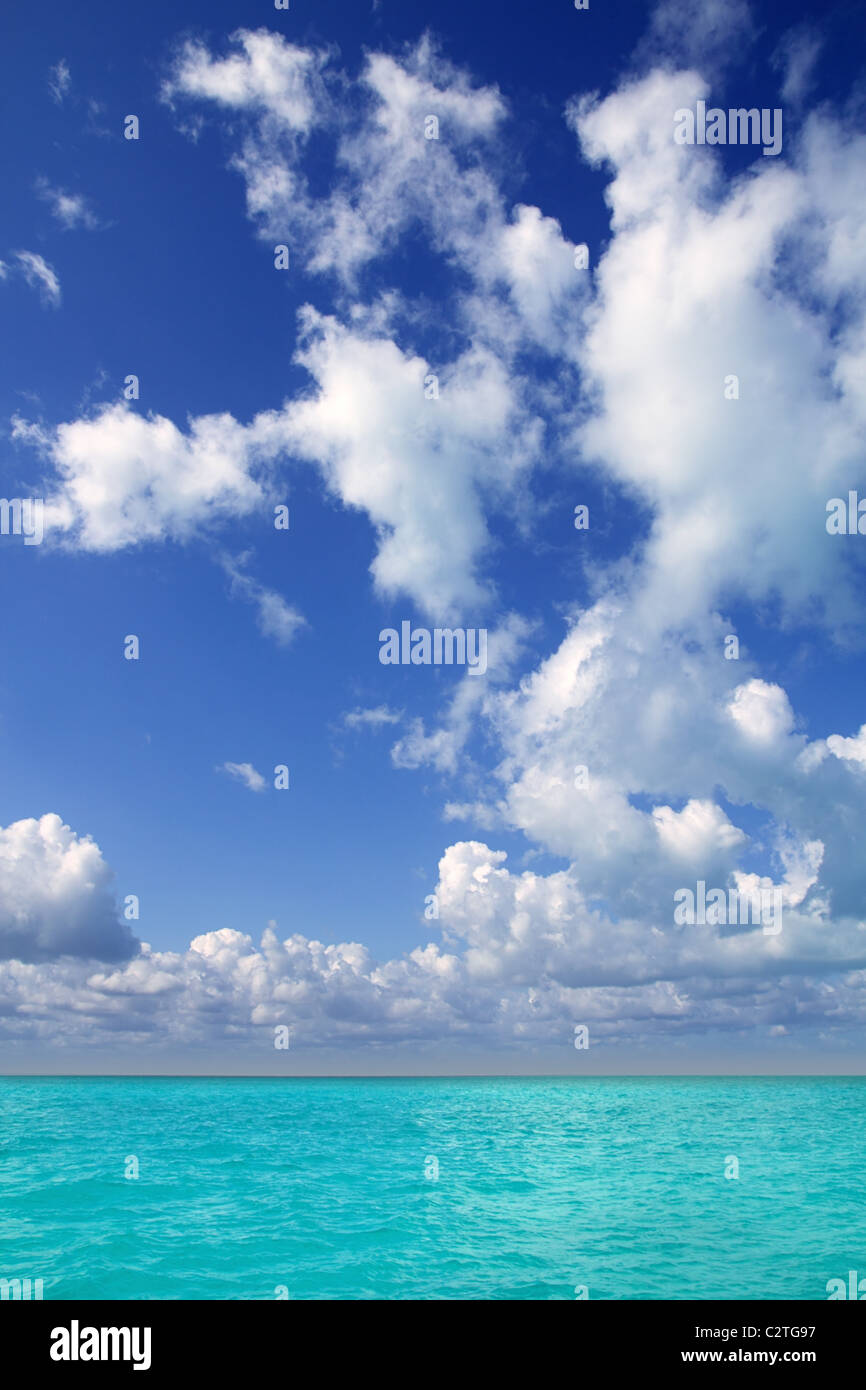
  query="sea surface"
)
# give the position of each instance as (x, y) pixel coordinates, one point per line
(479, 1188)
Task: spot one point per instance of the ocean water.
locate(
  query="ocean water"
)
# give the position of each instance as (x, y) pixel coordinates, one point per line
(327, 1189)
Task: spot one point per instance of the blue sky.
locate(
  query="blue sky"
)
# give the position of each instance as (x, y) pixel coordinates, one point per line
(556, 386)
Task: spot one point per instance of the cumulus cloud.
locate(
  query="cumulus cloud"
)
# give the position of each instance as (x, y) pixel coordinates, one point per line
(523, 956)
(708, 279)
(719, 276)
(55, 896)
(425, 468)
(126, 478)
(419, 467)
(633, 751)
(761, 711)
(637, 692)
(852, 750)
(697, 833)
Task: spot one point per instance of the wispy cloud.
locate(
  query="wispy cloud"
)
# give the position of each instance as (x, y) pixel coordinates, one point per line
(59, 80)
(40, 276)
(372, 718)
(70, 209)
(276, 618)
(245, 773)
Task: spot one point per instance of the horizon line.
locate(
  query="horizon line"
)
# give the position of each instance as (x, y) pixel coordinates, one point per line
(429, 1076)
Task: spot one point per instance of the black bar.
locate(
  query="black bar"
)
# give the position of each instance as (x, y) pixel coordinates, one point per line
(232, 1338)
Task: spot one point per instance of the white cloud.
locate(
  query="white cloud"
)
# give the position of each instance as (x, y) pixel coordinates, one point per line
(266, 74)
(70, 209)
(796, 57)
(696, 833)
(127, 479)
(475, 811)
(702, 276)
(55, 895)
(59, 80)
(40, 275)
(538, 265)
(680, 239)
(852, 750)
(444, 747)
(709, 33)
(422, 469)
(387, 172)
(245, 773)
(761, 711)
(524, 957)
(425, 471)
(706, 279)
(374, 718)
(419, 467)
(688, 292)
(276, 618)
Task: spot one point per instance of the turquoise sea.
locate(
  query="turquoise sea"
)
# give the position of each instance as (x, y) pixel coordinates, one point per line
(328, 1189)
